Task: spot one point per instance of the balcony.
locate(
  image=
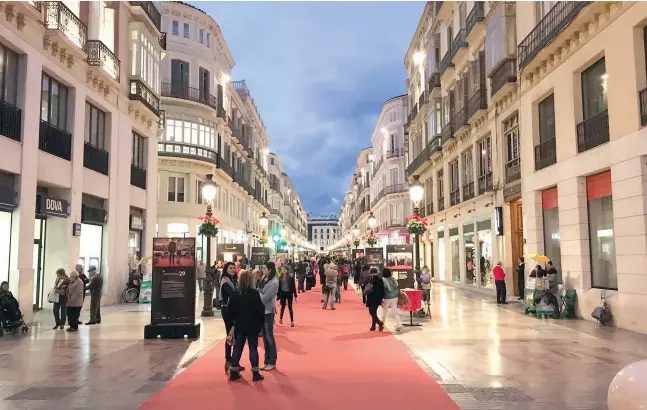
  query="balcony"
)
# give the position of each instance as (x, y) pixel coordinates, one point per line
(162, 41)
(455, 197)
(460, 119)
(430, 208)
(505, 73)
(55, 141)
(476, 17)
(394, 153)
(420, 159)
(180, 150)
(545, 154)
(485, 183)
(435, 145)
(448, 132)
(276, 212)
(512, 170)
(547, 29)
(60, 19)
(10, 121)
(95, 159)
(459, 45)
(99, 55)
(468, 191)
(139, 92)
(477, 103)
(441, 203)
(190, 94)
(413, 113)
(422, 100)
(434, 82)
(446, 63)
(642, 97)
(137, 176)
(151, 12)
(593, 131)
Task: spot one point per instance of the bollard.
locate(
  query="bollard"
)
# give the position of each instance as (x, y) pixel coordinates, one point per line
(627, 389)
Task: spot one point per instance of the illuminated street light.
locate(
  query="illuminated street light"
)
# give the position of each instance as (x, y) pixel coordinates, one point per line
(263, 220)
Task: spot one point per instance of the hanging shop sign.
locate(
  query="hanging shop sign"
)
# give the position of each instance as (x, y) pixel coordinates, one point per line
(498, 220)
(49, 206)
(136, 223)
(399, 258)
(76, 229)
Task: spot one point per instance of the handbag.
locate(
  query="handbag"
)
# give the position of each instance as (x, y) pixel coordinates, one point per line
(52, 296)
(368, 288)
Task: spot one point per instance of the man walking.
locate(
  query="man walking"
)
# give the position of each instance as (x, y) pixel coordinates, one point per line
(301, 275)
(95, 287)
(499, 282)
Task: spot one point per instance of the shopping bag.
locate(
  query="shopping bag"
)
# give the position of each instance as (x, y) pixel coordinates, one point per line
(52, 296)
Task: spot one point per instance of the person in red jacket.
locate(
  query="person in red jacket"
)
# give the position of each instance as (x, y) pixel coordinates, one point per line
(499, 282)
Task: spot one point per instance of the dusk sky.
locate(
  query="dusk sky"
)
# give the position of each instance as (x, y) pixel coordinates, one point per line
(319, 74)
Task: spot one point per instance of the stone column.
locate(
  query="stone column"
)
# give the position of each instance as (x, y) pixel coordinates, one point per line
(574, 234)
(533, 226)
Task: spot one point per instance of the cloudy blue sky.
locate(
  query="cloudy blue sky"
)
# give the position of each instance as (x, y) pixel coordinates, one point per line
(319, 74)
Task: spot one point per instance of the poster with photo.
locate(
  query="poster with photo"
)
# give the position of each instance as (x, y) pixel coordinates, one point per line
(260, 256)
(174, 284)
(374, 258)
(399, 258)
(231, 252)
(358, 254)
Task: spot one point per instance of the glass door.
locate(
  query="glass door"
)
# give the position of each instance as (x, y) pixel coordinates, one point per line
(39, 262)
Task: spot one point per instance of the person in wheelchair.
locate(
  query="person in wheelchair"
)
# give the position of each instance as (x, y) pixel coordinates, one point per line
(134, 279)
(10, 315)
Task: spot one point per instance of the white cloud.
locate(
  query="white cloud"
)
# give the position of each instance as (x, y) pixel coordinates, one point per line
(335, 200)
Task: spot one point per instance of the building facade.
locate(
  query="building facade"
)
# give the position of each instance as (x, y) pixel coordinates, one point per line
(379, 186)
(79, 158)
(213, 127)
(323, 231)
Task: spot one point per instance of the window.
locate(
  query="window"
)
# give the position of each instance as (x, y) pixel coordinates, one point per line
(550, 214)
(201, 36)
(511, 132)
(547, 119)
(95, 126)
(198, 192)
(54, 103)
(395, 178)
(175, 189)
(603, 255)
(189, 133)
(208, 39)
(145, 59)
(186, 30)
(453, 176)
(485, 156)
(8, 75)
(468, 167)
(500, 28)
(594, 93)
(175, 28)
(138, 158)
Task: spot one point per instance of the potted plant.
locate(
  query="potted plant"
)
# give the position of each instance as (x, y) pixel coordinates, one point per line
(209, 226)
(416, 224)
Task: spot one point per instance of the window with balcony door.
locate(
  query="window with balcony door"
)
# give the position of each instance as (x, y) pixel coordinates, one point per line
(145, 61)
(468, 173)
(484, 147)
(107, 25)
(8, 75)
(454, 182)
(204, 84)
(175, 28)
(542, 8)
(186, 30)
(179, 76)
(511, 137)
(95, 126)
(594, 92)
(54, 103)
(138, 150)
(441, 190)
(547, 119)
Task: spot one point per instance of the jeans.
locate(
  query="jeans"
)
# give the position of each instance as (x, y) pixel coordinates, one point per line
(329, 297)
(344, 281)
(200, 283)
(252, 345)
(391, 304)
(286, 298)
(73, 313)
(500, 291)
(301, 280)
(372, 310)
(228, 325)
(60, 311)
(269, 343)
(95, 308)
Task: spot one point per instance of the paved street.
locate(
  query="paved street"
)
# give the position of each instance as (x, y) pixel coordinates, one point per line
(485, 356)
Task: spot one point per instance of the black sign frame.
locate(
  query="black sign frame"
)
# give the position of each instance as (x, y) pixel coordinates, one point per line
(399, 258)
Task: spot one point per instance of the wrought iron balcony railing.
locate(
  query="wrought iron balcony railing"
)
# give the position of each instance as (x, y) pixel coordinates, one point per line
(441, 203)
(59, 17)
(420, 159)
(140, 92)
(137, 176)
(99, 55)
(189, 93)
(55, 141)
(430, 208)
(642, 97)
(10, 121)
(178, 149)
(476, 16)
(460, 118)
(545, 154)
(434, 81)
(477, 102)
(448, 132)
(593, 131)
(446, 62)
(505, 73)
(562, 13)
(512, 170)
(455, 197)
(151, 11)
(95, 158)
(485, 183)
(394, 153)
(459, 42)
(422, 100)
(468, 191)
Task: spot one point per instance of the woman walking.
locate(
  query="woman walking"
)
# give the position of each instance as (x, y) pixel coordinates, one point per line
(390, 298)
(247, 312)
(374, 291)
(228, 283)
(287, 292)
(75, 292)
(330, 286)
(60, 307)
(268, 288)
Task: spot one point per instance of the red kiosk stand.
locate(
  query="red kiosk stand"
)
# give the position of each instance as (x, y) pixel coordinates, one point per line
(415, 297)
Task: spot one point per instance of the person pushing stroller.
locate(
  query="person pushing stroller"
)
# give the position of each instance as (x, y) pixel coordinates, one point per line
(10, 315)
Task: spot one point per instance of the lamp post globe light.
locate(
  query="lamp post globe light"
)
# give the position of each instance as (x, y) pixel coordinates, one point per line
(356, 231)
(208, 194)
(263, 220)
(372, 221)
(416, 193)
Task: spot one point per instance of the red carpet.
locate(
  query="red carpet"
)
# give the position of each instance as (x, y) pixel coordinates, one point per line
(329, 361)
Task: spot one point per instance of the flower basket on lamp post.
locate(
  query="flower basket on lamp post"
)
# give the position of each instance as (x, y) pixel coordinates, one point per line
(356, 243)
(209, 226)
(371, 239)
(416, 225)
(263, 238)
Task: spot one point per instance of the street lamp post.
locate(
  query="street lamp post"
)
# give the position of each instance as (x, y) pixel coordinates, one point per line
(416, 192)
(208, 194)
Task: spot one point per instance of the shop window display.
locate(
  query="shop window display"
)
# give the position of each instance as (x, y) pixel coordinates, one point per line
(470, 269)
(603, 255)
(552, 240)
(5, 241)
(91, 244)
(454, 244)
(485, 254)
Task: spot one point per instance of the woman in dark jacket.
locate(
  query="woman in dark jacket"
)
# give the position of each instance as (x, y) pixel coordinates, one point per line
(374, 291)
(247, 312)
(287, 292)
(228, 282)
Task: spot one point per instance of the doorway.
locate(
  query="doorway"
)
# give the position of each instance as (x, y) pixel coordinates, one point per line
(516, 231)
(40, 232)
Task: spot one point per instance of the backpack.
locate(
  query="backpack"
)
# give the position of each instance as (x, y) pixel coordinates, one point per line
(426, 278)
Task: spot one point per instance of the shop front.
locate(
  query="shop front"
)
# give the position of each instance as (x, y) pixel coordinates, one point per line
(93, 218)
(7, 205)
(136, 227)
